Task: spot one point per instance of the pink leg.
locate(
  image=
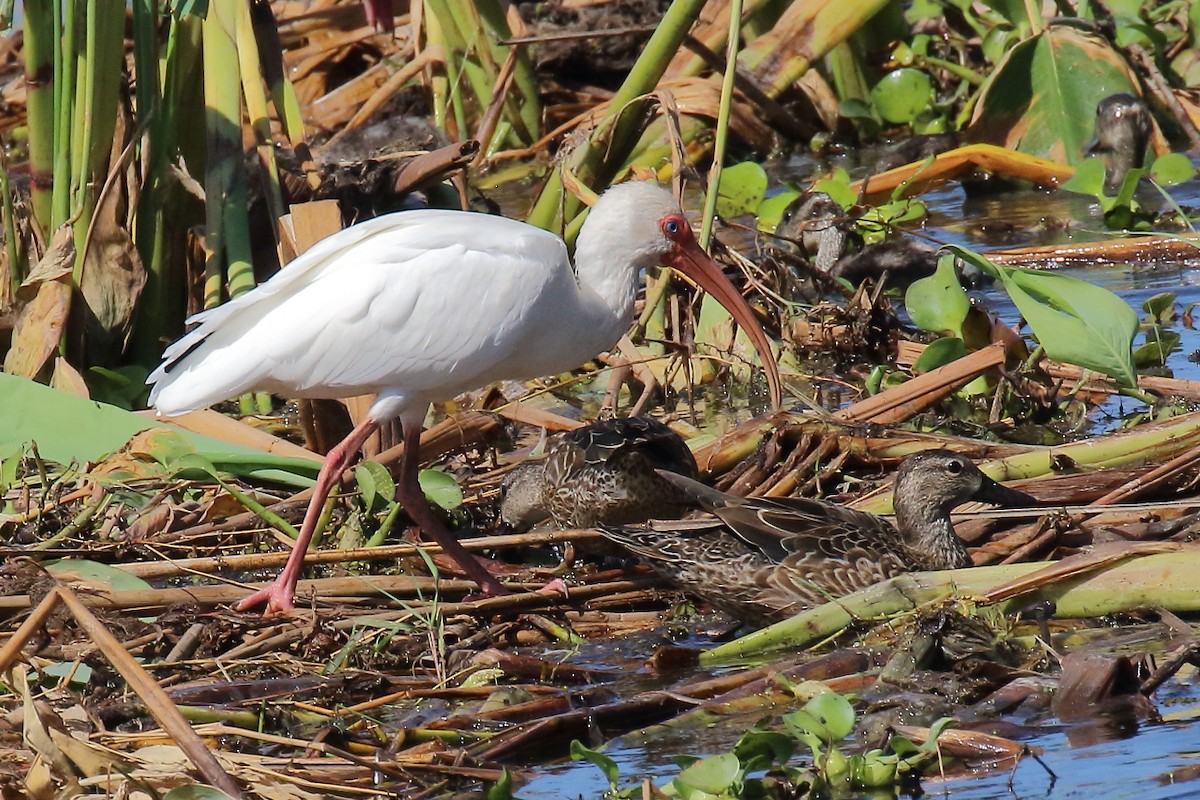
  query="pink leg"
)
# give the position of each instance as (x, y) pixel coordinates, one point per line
(280, 594)
(408, 492)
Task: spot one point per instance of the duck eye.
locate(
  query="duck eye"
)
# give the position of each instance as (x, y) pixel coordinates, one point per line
(954, 467)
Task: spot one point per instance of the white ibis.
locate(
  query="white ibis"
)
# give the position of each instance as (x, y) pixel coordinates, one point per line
(419, 306)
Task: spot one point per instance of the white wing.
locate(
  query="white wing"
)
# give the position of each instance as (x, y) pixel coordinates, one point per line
(424, 301)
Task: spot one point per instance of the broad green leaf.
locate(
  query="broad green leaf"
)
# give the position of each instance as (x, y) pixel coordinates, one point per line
(581, 752)
(902, 95)
(872, 770)
(740, 189)
(80, 673)
(938, 303)
(1160, 307)
(69, 428)
(835, 712)
(1075, 321)
(375, 482)
(440, 488)
(939, 354)
(837, 186)
(503, 788)
(1159, 344)
(99, 574)
(712, 775)
(1040, 94)
(1172, 169)
(1088, 179)
(94, 572)
(771, 209)
(759, 749)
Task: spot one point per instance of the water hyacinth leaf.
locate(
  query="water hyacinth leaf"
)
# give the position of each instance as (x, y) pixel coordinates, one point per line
(1035, 98)
(1088, 179)
(375, 482)
(939, 354)
(1172, 169)
(79, 674)
(440, 488)
(835, 712)
(713, 775)
(938, 303)
(873, 770)
(741, 189)
(581, 752)
(1159, 344)
(503, 788)
(837, 186)
(770, 210)
(1160, 307)
(1075, 321)
(902, 95)
(759, 749)
(97, 574)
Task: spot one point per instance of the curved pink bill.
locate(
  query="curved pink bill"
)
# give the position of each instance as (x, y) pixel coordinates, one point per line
(688, 258)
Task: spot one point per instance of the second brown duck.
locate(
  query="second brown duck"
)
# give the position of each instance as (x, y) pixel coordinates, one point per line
(765, 559)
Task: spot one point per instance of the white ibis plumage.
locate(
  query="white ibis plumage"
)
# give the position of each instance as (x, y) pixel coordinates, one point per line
(419, 306)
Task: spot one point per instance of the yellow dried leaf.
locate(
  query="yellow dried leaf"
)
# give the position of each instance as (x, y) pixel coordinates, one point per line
(67, 379)
(57, 263)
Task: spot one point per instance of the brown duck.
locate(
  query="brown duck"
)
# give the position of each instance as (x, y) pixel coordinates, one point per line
(765, 559)
(601, 474)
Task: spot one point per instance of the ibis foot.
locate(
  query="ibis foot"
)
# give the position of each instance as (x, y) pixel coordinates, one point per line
(279, 597)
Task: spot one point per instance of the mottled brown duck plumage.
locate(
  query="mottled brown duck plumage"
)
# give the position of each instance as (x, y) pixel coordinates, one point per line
(601, 474)
(764, 559)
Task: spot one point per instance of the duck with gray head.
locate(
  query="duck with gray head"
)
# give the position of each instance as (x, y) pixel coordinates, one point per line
(601, 474)
(1121, 137)
(765, 559)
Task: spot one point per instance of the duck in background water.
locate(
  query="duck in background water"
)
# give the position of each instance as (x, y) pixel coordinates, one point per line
(1122, 134)
(765, 559)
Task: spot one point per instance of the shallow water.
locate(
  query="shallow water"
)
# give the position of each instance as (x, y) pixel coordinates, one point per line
(1107, 757)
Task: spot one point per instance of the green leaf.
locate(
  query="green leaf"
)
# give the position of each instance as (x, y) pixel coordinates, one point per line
(100, 574)
(375, 483)
(1042, 91)
(80, 674)
(741, 189)
(1088, 179)
(835, 712)
(771, 209)
(581, 752)
(440, 488)
(760, 749)
(503, 788)
(712, 775)
(1160, 307)
(872, 770)
(939, 354)
(1075, 321)
(938, 303)
(94, 572)
(195, 791)
(837, 186)
(69, 428)
(902, 95)
(1159, 344)
(1172, 169)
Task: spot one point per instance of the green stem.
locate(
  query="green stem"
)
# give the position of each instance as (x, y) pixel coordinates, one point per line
(594, 163)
